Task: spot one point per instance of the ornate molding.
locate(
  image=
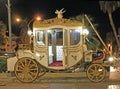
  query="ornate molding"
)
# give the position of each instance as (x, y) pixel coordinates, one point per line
(56, 21)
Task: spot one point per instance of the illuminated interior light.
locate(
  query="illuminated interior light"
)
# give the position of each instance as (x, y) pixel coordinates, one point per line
(48, 31)
(79, 29)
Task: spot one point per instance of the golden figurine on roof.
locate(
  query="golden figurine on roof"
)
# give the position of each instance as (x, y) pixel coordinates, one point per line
(60, 13)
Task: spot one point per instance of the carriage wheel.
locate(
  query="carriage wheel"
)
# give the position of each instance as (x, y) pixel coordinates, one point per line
(26, 69)
(96, 72)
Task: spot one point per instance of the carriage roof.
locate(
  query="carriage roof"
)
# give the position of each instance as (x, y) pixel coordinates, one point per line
(57, 21)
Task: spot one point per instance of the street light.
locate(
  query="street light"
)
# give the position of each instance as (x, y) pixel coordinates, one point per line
(27, 23)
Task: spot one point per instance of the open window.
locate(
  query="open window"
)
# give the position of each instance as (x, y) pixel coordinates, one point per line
(55, 46)
(74, 37)
(40, 37)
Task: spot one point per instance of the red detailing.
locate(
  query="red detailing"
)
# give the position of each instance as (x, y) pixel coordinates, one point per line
(57, 63)
(99, 57)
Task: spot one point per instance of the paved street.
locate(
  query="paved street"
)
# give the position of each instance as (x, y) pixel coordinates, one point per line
(79, 85)
(52, 81)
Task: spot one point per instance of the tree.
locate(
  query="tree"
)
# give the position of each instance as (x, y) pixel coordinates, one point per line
(109, 7)
(2, 33)
(23, 33)
(3, 65)
(92, 40)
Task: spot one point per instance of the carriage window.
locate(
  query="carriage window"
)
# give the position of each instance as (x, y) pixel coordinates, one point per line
(55, 36)
(74, 37)
(40, 37)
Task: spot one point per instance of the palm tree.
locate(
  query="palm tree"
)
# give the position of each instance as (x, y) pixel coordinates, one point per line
(91, 40)
(109, 7)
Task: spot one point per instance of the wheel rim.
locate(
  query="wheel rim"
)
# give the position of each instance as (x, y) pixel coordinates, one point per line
(96, 72)
(26, 70)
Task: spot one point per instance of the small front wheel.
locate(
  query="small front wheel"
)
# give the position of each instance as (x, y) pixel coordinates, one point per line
(26, 69)
(96, 72)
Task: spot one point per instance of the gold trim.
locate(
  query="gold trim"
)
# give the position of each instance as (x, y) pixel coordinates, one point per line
(56, 21)
(41, 57)
(74, 57)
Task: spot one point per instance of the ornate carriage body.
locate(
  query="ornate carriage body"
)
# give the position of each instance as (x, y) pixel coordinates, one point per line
(58, 44)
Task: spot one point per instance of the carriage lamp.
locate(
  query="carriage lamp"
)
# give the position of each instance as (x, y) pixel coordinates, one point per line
(85, 32)
(29, 32)
(111, 59)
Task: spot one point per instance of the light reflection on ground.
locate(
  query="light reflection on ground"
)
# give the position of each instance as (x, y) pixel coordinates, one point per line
(113, 87)
(112, 69)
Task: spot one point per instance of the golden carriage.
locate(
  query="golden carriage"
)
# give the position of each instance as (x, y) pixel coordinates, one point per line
(58, 45)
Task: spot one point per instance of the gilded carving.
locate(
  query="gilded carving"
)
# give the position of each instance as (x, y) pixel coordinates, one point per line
(74, 57)
(41, 57)
(57, 21)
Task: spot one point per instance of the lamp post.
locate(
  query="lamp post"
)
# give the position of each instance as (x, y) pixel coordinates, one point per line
(9, 25)
(29, 31)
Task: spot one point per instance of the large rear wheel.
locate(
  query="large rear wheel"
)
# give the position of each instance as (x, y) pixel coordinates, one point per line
(96, 72)
(26, 69)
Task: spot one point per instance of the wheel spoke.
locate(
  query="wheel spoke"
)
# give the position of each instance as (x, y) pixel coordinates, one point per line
(96, 78)
(22, 77)
(18, 70)
(29, 62)
(20, 67)
(22, 64)
(25, 62)
(34, 68)
(32, 73)
(32, 65)
(91, 70)
(30, 76)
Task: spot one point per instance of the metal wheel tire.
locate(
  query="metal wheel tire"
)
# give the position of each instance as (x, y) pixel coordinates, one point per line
(26, 69)
(96, 72)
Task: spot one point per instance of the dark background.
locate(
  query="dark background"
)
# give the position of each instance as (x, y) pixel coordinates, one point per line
(46, 8)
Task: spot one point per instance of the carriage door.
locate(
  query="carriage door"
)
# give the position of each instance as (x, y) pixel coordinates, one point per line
(55, 46)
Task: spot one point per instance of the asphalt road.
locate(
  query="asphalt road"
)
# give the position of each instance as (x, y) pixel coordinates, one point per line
(53, 82)
(79, 85)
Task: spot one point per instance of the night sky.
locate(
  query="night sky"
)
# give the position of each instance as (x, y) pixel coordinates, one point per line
(46, 8)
